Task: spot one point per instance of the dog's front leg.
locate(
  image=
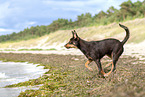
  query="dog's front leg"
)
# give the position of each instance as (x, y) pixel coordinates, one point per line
(87, 63)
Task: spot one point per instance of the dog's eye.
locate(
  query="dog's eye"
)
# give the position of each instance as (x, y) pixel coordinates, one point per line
(74, 43)
(75, 39)
(70, 42)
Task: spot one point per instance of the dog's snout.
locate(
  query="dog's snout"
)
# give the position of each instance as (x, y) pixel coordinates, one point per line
(66, 46)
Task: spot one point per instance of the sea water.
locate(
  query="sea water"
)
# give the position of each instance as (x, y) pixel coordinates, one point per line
(15, 72)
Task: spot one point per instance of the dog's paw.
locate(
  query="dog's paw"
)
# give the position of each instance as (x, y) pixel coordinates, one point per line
(105, 75)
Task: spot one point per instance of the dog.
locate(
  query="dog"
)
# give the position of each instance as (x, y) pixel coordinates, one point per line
(96, 50)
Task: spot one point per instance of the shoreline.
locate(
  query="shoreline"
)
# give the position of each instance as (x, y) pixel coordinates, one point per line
(18, 72)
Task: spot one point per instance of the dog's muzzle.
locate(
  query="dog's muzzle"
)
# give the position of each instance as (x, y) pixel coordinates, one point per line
(70, 46)
(66, 46)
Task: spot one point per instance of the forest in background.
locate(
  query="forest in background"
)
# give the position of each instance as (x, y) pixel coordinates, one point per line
(128, 11)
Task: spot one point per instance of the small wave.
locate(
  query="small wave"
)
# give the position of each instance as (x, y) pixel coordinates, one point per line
(3, 75)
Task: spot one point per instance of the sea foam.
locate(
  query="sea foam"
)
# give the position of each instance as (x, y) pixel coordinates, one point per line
(3, 75)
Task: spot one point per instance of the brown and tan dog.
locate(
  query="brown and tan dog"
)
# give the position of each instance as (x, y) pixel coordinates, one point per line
(95, 50)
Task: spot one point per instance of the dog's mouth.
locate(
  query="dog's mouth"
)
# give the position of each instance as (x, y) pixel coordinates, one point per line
(67, 47)
(70, 46)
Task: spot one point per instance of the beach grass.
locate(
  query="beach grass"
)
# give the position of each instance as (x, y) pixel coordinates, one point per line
(136, 27)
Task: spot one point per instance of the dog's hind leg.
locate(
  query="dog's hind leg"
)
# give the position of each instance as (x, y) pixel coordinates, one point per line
(108, 64)
(110, 56)
(87, 63)
(101, 70)
(116, 57)
(106, 74)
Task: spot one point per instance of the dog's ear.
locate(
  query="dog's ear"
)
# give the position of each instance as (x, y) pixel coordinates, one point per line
(75, 34)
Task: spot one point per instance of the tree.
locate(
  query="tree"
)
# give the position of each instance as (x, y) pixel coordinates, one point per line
(136, 9)
(126, 9)
(84, 19)
(142, 9)
(111, 10)
(101, 14)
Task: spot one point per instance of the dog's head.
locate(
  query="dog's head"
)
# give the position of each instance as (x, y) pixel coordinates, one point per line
(74, 41)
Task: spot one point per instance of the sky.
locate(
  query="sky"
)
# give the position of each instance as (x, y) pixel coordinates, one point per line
(16, 15)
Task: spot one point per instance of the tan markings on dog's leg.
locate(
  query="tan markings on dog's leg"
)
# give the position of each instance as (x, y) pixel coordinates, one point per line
(102, 72)
(110, 62)
(108, 65)
(86, 64)
(110, 70)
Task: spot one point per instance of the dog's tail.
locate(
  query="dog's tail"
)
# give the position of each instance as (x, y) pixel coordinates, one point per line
(127, 33)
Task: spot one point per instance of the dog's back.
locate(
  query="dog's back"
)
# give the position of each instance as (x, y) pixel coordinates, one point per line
(104, 47)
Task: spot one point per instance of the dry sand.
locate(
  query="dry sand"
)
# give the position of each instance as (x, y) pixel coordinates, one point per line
(135, 50)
